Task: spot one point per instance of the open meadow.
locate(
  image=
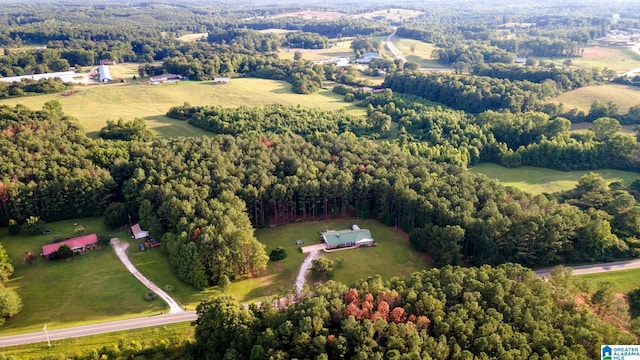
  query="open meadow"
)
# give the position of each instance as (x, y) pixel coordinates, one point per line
(337, 48)
(622, 95)
(620, 59)
(418, 51)
(95, 104)
(540, 180)
(85, 289)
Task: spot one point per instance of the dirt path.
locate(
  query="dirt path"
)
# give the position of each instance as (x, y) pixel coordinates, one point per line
(120, 249)
(304, 268)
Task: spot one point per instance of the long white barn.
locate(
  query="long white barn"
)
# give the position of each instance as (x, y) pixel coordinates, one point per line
(65, 76)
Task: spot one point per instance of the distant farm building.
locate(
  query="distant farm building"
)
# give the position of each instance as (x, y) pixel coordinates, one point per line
(78, 245)
(355, 237)
(221, 80)
(137, 232)
(154, 80)
(107, 62)
(367, 57)
(65, 76)
(105, 75)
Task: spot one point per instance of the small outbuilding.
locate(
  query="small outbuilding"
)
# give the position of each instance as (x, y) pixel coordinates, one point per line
(137, 232)
(221, 80)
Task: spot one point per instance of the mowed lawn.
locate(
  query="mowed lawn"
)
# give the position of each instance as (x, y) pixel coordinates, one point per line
(622, 281)
(95, 104)
(540, 180)
(622, 95)
(391, 257)
(88, 288)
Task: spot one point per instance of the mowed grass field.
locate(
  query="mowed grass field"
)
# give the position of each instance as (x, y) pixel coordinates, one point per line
(540, 180)
(622, 95)
(95, 104)
(88, 288)
(421, 52)
(337, 48)
(621, 281)
(620, 59)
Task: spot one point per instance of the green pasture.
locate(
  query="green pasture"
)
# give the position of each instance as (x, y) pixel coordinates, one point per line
(622, 281)
(172, 334)
(620, 59)
(421, 52)
(337, 48)
(622, 95)
(87, 288)
(95, 104)
(540, 180)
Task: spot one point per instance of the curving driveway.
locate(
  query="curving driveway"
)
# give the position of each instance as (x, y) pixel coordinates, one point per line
(392, 47)
(120, 249)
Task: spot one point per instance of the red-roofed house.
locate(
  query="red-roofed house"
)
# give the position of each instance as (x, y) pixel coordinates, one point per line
(78, 245)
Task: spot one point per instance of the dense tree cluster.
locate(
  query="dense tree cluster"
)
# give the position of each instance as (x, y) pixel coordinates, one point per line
(31, 87)
(10, 301)
(565, 79)
(129, 130)
(272, 118)
(472, 93)
(447, 313)
(46, 169)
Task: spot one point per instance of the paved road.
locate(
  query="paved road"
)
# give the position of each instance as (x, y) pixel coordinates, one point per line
(392, 47)
(99, 328)
(120, 249)
(598, 268)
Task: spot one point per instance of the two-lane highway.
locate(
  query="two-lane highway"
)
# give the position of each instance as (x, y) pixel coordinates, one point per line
(99, 328)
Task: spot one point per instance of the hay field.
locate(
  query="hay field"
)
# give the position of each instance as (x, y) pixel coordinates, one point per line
(541, 180)
(622, 95)
(94, 105)
(418, 51)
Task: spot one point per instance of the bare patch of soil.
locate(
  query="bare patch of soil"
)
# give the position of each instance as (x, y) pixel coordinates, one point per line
(70, 93)
(595, 52)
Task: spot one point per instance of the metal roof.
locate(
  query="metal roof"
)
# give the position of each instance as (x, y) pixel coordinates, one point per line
(340, 237)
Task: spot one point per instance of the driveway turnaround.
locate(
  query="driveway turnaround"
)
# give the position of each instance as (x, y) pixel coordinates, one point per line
(120, 249)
